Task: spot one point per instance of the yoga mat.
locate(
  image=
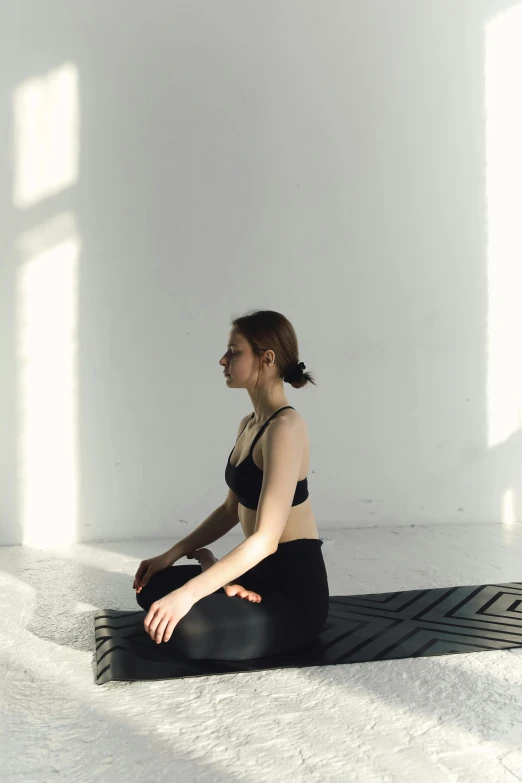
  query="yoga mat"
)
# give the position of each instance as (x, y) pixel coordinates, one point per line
(371, 627)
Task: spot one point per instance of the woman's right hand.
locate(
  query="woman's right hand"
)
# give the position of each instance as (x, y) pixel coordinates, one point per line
(148, 568)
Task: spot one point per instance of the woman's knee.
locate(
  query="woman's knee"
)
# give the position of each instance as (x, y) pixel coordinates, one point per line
(158, 585)
(153, 590)
(143, 598)
(164, 582)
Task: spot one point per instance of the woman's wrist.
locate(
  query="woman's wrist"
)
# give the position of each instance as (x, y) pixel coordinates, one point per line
(175, 552)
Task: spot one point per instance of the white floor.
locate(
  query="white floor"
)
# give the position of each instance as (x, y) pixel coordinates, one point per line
(447, 718)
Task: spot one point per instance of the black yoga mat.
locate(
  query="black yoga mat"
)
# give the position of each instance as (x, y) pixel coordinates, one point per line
(373, 627)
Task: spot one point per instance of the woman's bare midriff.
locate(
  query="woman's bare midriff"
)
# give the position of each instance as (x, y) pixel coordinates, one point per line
(301, 520)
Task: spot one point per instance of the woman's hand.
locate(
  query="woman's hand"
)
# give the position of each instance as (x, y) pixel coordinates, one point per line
(165, 614)
(148, 568)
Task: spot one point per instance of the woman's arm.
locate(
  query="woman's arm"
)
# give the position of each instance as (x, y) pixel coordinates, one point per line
(245, 556)
(205, 558)
(214, 527)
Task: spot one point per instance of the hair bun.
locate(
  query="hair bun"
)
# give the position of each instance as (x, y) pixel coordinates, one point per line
(296, 373)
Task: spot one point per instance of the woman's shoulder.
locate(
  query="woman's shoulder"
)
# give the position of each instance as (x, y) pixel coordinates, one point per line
(291, 415)
(288, 414)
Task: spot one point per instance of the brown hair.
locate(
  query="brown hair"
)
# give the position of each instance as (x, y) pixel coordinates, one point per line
(267, 330)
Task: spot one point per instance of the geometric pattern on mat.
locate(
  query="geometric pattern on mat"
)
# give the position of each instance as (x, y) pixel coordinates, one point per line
(371, 627)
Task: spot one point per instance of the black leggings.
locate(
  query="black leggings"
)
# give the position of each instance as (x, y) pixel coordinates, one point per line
(293, 586)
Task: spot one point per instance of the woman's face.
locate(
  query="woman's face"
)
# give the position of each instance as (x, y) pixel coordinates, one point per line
(237, 362)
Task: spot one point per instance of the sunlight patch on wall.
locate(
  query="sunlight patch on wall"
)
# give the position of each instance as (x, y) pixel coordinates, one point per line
(508, 510)
(504, 220)
(46, 137)
(46, 346)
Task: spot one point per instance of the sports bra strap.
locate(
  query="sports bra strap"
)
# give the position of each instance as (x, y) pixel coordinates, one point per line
(264, 425)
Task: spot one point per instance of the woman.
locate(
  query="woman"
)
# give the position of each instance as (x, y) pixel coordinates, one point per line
(270, 594)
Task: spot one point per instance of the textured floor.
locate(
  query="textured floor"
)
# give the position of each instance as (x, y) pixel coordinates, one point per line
(451, 718)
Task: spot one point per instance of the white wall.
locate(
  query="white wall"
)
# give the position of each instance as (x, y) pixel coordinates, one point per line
(172, 164)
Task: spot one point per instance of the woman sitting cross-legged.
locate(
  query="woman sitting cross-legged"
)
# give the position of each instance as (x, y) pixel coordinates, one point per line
(269, 594)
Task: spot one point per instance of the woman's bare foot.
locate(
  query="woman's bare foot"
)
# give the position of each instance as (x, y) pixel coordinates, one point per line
(239, 590)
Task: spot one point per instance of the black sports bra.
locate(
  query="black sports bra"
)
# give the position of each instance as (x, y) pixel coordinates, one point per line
(246, 479)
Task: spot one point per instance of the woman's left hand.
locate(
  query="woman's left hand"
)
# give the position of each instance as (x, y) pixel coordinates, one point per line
(165, 614)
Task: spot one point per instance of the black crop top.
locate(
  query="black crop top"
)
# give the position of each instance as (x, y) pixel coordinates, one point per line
(246, 479)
